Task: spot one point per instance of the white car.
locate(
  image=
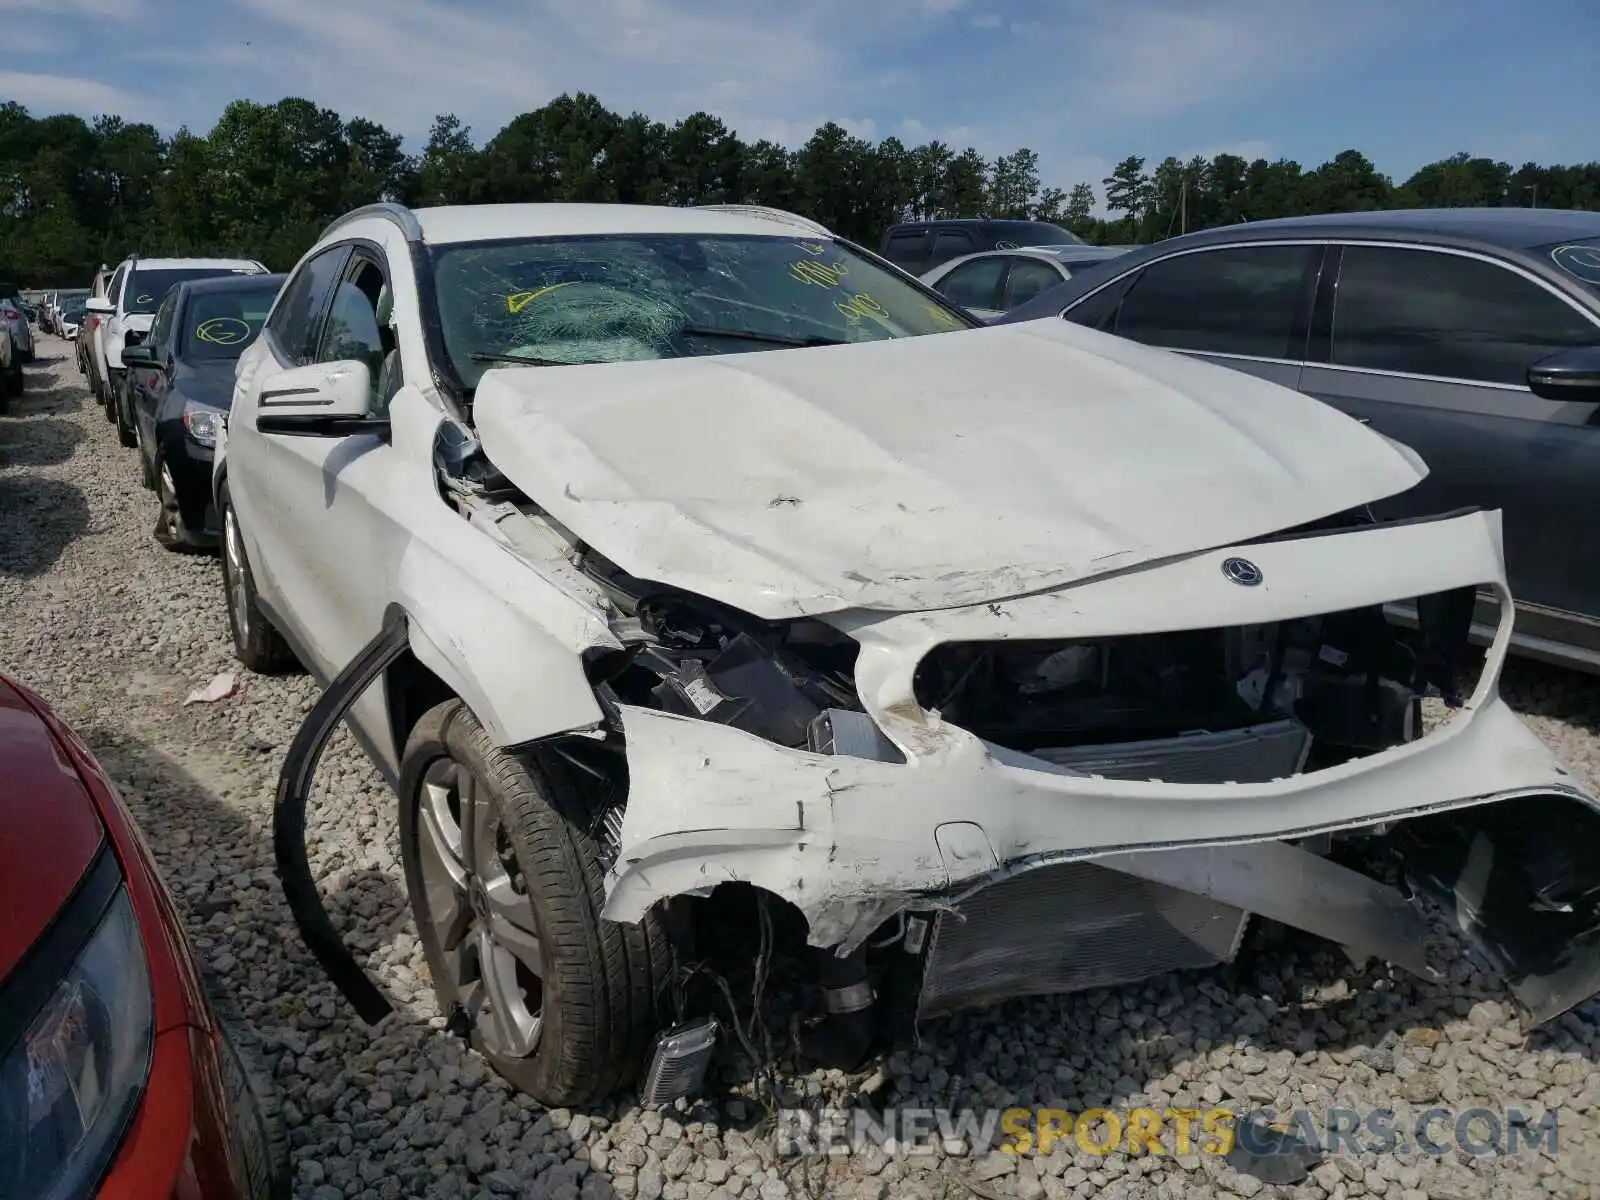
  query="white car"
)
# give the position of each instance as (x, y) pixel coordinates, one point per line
(650, 550)
(126, 309)
(991, 283)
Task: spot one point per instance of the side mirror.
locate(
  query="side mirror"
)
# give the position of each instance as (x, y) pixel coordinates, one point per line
(99, 304)
(1567, 375)
(138, 356)
(320, 400)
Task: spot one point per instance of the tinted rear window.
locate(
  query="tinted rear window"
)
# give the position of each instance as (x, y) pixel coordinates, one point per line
(146, 289)
(1032, 233)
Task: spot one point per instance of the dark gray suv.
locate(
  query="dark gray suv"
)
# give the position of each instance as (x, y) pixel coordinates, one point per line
(1471, 335)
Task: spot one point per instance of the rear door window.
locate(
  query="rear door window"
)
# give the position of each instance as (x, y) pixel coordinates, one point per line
(1027, 278)
(974, 284)
(908, 249)
(952, 243)
(1427, 312)
(1234, 300)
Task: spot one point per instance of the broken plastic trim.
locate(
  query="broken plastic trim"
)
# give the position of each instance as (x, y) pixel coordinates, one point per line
(289, 822)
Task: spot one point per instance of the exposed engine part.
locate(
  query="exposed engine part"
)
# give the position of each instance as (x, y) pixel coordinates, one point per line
(1257, 754)
(1350, 680)
(1104, 928)
(689, 655)
(678, 1063)
(853, 734)
(1521, 882)
(844, 1036)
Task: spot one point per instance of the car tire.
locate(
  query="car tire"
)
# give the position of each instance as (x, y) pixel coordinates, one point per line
(253, 1097)
(102, 393)
(597, 981)
(256, 644)
(147, 474)
(170, 530)
(123, 400)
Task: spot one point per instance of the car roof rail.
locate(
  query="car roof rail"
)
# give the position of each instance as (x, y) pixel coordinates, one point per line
(399, 214)
(772, 214)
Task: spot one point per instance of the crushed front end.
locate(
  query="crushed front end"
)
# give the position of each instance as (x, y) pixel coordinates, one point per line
(1088, 786)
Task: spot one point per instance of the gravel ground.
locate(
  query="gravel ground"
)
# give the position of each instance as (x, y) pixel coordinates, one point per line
(116, 632)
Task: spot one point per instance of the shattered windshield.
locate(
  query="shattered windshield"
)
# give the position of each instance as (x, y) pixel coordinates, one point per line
(1580, 259)
(560, 301)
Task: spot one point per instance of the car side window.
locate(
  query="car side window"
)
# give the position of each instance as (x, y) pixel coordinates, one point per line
(1027, 279)
(297, 317)
(952, 243)
(353, 330)
(1425, 312)
(114, 288)
(974, 284)
(907, 250)
(1234, 300)
(161, 324)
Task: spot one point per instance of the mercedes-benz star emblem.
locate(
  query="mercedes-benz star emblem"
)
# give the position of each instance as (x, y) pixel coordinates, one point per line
(1241, 571)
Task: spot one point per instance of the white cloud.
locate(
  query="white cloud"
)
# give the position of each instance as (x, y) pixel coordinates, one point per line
(987, 20)
(45, 94)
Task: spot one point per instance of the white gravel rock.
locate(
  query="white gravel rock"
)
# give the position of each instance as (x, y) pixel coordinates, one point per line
(116, 632)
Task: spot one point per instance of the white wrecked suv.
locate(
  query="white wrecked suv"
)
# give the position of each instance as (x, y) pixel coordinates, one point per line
(652, 550)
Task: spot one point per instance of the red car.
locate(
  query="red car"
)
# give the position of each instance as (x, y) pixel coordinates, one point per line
(117, 1077)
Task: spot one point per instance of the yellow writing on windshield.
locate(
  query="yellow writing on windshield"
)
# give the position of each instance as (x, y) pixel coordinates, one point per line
(518, 301)
(943, 317)
(222, 331)
(861, 305)
(813, 247)
(807, 270)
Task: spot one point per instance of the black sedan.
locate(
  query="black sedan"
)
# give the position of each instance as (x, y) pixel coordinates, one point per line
(1471, 335)
(181, 380)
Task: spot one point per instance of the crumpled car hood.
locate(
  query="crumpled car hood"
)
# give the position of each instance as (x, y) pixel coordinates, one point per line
(921, 473)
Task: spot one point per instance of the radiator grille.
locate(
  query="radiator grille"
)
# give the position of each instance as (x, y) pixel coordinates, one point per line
(1065, 928)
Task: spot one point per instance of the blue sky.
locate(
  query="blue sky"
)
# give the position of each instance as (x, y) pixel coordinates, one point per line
(1084, 84)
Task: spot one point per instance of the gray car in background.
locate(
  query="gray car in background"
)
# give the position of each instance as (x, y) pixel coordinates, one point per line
(1470, 335)
(994, 282)
(14, 312)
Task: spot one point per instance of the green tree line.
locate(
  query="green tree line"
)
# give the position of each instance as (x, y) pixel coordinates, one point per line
(267, 177)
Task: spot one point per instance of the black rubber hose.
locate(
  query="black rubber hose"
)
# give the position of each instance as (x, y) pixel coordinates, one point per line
(845, 1034)
(289, 823)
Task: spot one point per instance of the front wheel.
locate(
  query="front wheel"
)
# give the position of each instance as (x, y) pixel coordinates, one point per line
(256, 643)
(122, 399)
(506, 882)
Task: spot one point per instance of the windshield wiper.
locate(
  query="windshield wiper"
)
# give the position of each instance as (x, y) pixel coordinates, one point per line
(750, 335)
(528, 360)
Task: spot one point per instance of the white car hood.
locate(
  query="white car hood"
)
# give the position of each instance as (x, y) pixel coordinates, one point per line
(921, 473)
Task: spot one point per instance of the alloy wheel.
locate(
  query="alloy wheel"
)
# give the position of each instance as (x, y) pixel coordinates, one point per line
(171, 515)
(233, 567)
(478, 907)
